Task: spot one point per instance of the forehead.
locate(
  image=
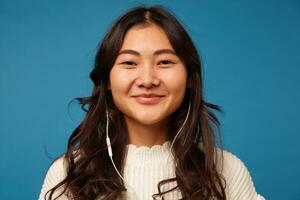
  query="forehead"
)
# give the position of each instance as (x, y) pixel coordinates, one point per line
(146, 37)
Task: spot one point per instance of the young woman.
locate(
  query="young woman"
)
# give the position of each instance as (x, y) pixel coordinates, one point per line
(148, 133)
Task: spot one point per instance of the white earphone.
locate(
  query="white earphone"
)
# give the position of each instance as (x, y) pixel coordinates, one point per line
(110, 153)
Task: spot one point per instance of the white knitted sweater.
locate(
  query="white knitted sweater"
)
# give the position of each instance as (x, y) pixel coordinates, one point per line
(145, 167)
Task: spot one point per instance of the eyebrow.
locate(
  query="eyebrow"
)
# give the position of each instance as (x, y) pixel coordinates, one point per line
(157, 52)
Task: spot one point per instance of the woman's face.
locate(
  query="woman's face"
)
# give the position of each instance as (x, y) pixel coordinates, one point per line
(148, 79)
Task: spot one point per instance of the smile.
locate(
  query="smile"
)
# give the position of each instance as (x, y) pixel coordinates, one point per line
(148, 100)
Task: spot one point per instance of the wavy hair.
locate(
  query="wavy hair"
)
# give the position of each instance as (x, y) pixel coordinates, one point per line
(89, 171)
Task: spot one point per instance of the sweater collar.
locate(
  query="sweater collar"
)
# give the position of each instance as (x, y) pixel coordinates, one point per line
(150, 156)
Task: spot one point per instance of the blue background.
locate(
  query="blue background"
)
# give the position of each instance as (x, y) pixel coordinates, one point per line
(250, 52)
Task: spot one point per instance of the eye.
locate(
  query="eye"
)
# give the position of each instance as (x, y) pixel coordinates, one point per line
(128, 63)
(165, 62)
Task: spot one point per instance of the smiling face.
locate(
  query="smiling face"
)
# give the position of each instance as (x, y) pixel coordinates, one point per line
(148, 79)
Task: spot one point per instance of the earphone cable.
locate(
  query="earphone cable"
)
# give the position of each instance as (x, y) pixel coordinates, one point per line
(111, 153)
(179, 130)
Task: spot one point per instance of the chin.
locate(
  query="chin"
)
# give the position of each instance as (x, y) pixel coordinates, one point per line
(146, 120)
(147, 123)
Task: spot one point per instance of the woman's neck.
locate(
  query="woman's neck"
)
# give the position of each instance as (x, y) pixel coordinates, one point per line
(146, 135)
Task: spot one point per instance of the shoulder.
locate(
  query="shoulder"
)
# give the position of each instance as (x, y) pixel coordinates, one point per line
(55, 174)
(239, 184)
(57, 170)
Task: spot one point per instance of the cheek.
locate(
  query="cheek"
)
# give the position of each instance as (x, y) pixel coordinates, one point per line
(176, 82)
(119, 82)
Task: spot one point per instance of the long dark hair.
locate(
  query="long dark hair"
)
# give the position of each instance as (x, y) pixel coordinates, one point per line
(90, 174)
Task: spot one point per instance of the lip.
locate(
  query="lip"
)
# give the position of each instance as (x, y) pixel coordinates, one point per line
(148, 99)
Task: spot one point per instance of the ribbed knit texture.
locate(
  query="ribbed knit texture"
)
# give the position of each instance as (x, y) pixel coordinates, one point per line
(145, 167)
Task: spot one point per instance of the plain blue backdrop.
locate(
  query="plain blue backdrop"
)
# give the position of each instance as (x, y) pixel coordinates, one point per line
(251, 57)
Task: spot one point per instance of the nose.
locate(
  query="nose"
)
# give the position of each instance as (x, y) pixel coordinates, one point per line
(147, 77)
